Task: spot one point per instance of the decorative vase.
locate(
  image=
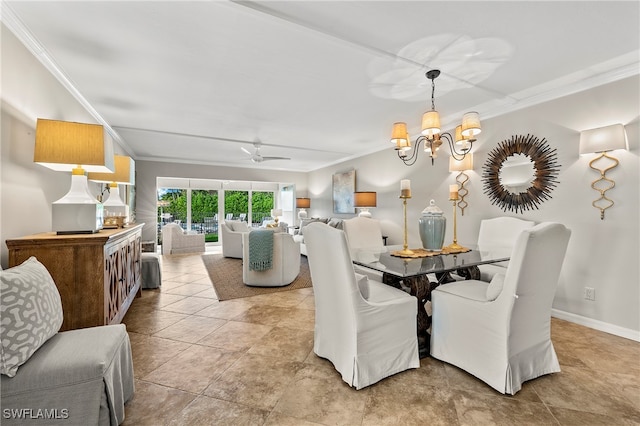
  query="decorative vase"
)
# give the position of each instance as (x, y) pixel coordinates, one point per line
(432, 226)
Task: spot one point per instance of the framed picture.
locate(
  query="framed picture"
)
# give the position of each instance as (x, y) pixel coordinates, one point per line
(344, 185)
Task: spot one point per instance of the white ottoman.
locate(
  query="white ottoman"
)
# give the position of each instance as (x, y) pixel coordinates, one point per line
(151, 271)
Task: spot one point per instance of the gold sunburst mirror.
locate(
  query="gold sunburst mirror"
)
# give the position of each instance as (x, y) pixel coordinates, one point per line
(520, 173)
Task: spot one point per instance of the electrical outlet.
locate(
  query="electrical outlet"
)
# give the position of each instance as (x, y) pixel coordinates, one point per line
(590, 293)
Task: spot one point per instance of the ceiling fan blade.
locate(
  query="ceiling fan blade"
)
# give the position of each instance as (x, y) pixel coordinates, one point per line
(246, 150)
(275, 158)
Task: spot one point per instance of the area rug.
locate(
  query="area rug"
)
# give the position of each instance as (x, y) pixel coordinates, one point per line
(226, 276)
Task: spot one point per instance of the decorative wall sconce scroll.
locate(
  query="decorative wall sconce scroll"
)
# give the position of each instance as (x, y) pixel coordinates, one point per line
(600, 141)
(462, 178)
(520, 173)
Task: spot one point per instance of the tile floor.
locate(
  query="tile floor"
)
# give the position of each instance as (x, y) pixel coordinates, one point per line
(199, 361)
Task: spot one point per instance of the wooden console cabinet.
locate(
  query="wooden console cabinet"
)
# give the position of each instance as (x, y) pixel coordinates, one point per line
(97, 275)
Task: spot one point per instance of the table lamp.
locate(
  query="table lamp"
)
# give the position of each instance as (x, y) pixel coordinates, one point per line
(275, 213)
(77, 148)
(303, 204)
(364, 200)
(124, 175)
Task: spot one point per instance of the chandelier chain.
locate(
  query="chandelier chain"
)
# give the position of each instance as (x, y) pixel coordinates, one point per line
(433, 92)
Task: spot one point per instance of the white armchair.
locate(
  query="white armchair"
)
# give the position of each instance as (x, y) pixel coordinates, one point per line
(500, 332)
(497, 237)
(231, 232)
(365, 328)
(176, 241)
(285, 262)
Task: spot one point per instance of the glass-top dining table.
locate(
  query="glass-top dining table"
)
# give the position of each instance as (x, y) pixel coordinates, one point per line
(422, 274)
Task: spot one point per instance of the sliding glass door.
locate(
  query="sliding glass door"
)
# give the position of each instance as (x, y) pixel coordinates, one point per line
(204, 213)
(195, 210)
(199, 205)
(261, 204)
(236, 205)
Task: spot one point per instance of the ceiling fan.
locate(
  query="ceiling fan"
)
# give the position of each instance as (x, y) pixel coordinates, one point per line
(256, 157)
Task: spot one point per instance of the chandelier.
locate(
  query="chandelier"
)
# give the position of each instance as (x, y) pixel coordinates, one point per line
(431, 137)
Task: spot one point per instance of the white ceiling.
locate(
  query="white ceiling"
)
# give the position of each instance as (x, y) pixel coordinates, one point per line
(317, 81)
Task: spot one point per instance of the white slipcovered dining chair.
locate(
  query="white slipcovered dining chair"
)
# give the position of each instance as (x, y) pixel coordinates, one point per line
(365, 328)
(496, 238)
(500, 331)
(364, 238)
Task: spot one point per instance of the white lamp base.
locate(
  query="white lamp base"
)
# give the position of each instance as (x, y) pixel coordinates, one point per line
(114, 205)
(77, 212)
(302, 214)
(364, 212)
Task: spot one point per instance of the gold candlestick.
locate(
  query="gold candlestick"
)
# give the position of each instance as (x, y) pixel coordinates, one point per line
(405, 194)
(454, 247)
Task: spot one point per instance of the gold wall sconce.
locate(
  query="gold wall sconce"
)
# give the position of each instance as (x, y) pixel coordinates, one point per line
(462, 178)
(602, 140)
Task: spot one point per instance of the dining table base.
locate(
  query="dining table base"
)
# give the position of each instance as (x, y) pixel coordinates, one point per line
(421, 287)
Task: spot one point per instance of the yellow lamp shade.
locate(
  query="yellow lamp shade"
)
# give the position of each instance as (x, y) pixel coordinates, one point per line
(364, 199)
(303, 203)
(64, 146)
(431, 123)
(124, 174)
(400, 136)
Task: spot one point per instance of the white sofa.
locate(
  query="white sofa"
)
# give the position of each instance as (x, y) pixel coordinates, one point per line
(299, 234)
(176, 241)
(285, 262)
(231, 232)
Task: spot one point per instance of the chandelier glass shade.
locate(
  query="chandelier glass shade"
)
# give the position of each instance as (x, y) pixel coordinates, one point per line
(431, 135)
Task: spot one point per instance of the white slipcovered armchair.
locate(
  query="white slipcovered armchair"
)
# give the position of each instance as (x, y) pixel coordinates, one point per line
(231, 232)
(176, 241)
(496, 238)
(365, 328)
(285, 262)
(500, 332)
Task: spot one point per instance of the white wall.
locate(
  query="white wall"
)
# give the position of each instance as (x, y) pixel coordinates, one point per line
(29, 92)
(602, 254)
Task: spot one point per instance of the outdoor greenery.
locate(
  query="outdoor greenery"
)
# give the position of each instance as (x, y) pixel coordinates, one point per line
(204, 204)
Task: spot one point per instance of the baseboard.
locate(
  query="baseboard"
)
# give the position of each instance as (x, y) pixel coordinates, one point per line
(616, 330)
